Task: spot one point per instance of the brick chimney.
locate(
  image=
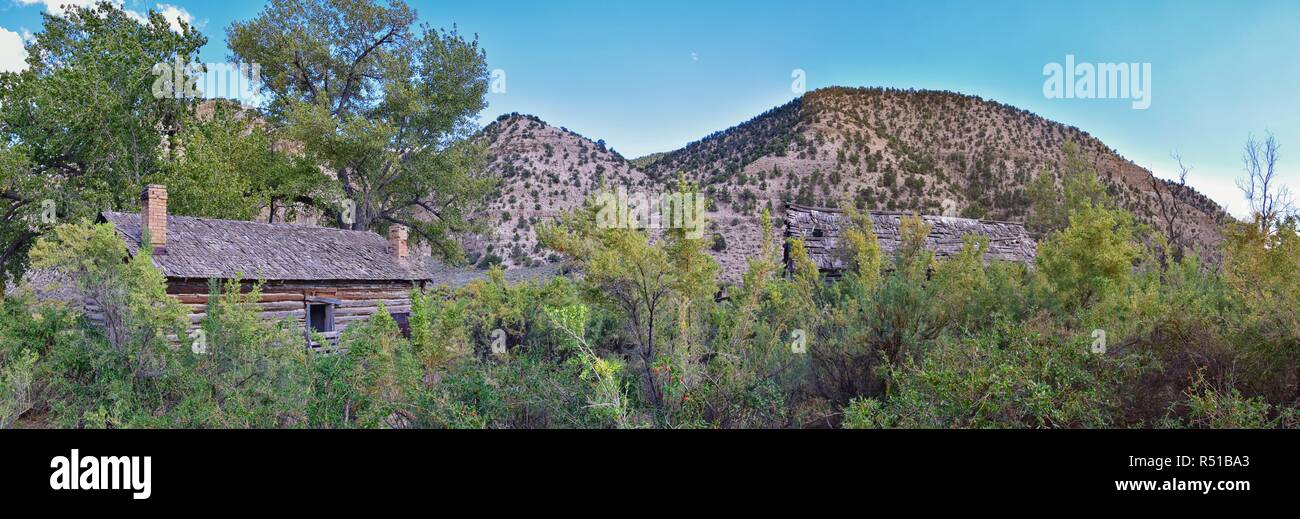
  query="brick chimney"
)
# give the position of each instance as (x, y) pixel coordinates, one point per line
(397, 241)
(153, 215)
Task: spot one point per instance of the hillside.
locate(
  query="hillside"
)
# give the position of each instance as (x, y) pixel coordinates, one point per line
(924, 151)
(543, 170)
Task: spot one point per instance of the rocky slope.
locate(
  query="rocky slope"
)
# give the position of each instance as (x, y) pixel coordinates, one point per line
(925, 151)
(543, 170)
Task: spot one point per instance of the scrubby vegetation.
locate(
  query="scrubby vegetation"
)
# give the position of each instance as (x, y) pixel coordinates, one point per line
(1096, 334)
(1117, 324)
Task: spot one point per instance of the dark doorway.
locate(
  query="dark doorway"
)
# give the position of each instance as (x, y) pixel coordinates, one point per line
(320, 317)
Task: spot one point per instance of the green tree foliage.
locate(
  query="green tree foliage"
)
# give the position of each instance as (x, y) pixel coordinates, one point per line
(384, 105)
(231, 169)
(20, 210)
(144, 366)
(755, 376)
(16, 378)
(380, 374)
(608, 401)
(438, 331)
(85, 160)
(129, 294)
(1079, 189)
(1260, 270)
(658, 288)
(1091, 258)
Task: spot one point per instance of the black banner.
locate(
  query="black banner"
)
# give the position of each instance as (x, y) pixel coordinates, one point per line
(158, 468)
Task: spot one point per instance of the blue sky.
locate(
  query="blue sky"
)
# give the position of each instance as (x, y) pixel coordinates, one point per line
(652, 76)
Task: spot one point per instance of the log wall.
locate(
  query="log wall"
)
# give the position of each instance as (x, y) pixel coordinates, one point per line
(359, 300)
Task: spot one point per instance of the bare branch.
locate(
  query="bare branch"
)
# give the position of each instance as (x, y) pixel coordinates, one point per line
(1269, 200)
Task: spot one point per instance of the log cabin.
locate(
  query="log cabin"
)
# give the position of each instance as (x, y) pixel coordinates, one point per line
(322, 278)
(819, 228)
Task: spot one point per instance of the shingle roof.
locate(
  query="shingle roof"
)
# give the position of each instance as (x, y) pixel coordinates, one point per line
(819, 228)
(205, 248)
(455, 277)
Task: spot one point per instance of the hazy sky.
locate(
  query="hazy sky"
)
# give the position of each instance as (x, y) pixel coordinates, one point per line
(652, 76)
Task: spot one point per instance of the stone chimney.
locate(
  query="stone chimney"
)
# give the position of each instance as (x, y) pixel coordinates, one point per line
(397, 241)
(153, 215)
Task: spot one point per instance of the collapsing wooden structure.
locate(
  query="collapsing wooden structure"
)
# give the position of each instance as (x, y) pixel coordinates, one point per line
(819, 228)
(322, 278)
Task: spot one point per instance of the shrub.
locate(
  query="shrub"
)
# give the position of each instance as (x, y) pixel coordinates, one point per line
(16, 391)
(1226, 409)
(376, 383)
(237, 370)
(1008, 376)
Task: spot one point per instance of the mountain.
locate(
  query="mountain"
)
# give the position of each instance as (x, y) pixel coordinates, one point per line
(543, 170)
(926, 151)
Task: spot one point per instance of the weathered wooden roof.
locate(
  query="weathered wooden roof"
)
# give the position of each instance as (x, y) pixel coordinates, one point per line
(205, 248)
(455, 277)
(819, 228)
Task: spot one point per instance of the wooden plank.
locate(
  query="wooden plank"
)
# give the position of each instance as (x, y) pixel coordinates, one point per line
(261, 307)
(286, 305)
(375, 302)
(281, 315)
(266, 298)
(355, 296)
(271, 298)
(370, 310)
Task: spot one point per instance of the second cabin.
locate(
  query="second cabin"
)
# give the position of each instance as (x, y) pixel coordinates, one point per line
(819, 228)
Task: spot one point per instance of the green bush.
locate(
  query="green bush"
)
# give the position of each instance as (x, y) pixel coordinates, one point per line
(1011, 375)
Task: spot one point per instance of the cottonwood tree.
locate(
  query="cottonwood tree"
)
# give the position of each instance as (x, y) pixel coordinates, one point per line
(19, 208)
(81, 128)
(1270, 201)
(234, 167)
(383, 104)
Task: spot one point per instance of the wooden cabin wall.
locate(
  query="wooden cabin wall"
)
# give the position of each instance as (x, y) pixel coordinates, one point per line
(288, 299)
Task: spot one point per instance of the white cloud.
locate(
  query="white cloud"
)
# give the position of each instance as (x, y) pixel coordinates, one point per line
(13, 57)
(57, 7)
(175, 15)
(1223, 191)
